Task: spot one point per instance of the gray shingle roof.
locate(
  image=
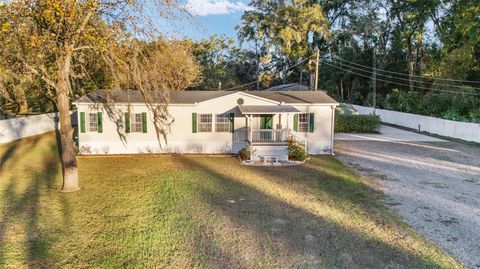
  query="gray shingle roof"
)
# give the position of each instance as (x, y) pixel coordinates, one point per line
(191, 97)
(296, 97)
(288, 87)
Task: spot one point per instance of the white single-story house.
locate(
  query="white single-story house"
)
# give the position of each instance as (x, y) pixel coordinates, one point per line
(118, 122)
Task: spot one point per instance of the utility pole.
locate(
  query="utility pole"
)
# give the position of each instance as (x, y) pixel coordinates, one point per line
(374, 83)
(316, 68)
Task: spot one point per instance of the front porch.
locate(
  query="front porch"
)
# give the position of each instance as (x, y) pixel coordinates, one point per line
(267, 131)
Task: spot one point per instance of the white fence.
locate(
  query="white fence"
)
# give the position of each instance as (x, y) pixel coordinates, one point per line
(13, 129)
(17, 128)
(455, 129)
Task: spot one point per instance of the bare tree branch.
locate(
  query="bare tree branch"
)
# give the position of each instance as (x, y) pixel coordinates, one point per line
(35, 71)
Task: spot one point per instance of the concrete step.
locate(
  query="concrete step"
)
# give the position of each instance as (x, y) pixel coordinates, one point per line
(280, 152)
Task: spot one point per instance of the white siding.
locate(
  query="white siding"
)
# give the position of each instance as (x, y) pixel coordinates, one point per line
(114, 140)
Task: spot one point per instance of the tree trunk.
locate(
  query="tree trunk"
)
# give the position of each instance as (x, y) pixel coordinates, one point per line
(301, 76)
(341, 89)
(68, 158)
(285, 70)
(419, 61)
(411, 64)
(312, 81)
(257, 71)
(22, 101)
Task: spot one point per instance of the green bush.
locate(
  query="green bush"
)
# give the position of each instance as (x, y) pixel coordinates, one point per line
(245, 153)
(296, 151)
(404, 101)
(443, 105)
(357, 123)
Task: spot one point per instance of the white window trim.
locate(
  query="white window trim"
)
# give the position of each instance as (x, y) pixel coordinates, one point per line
(133, 123)
(200, 123)
(224, 124)
(307, 123)
(89, 126)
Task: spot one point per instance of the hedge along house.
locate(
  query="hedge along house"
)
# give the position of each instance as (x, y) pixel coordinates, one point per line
(118, 122)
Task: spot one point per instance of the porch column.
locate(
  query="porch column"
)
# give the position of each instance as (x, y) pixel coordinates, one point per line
(288, 117)
(250, 127)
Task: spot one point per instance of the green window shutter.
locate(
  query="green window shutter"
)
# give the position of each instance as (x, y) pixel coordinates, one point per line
(232, 120)
(311, 126)
(99, 122)
(144, 122)
(194, 122)
(127, 122)
(82, 122)
(295, 122)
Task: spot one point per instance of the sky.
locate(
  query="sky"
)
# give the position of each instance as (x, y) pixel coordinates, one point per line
(213, 17)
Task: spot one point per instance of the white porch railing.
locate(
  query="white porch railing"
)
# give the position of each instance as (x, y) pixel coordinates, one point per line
(269, 136)
(299, 138)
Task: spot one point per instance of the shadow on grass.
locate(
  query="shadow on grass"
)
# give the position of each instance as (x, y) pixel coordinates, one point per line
(211, 254)
(301, 238)
(24, 187)
(322, 175)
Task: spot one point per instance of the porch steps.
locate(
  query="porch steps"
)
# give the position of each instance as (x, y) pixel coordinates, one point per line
(269, 151)
(273, 158)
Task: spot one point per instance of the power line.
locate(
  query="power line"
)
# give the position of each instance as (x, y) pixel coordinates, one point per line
(277, 73)
(240, 86)
(403, 74)
(401, 84)
(399, 78)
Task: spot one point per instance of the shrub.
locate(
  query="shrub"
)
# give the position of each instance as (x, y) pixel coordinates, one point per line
(245, 153)
(404, 101)
(296, 151)
(357, 123)
(444, 105)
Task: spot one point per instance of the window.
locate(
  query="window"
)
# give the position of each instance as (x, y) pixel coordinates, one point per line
(204, 123)
(222, 123)
(92, 122)
(303, 122)
(136, 123)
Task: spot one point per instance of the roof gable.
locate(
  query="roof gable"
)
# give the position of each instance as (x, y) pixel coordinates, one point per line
(242, 95)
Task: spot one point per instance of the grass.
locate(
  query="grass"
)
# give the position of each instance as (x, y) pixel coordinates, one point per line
(185, 211)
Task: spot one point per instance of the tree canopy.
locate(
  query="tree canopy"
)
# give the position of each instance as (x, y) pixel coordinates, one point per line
(66, 47)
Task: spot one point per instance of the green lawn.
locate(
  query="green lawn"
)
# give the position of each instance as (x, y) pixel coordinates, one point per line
(185, 211)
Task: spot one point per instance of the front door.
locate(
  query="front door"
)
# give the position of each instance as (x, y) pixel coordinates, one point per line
(266, 124)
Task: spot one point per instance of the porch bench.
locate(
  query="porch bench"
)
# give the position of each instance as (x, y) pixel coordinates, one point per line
(264, 157)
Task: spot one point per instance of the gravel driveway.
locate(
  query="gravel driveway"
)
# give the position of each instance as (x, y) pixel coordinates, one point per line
(434, 186)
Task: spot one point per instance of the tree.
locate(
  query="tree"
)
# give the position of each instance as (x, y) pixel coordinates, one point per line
(459, 31)
(287, 26)
(223, 63)
(411, 18)
(51, 39)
